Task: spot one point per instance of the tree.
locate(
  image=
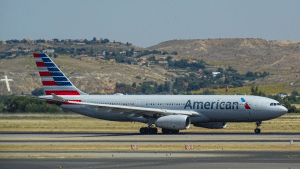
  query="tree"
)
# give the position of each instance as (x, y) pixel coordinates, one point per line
(38, 92)
(165, 53)
(167, 86)
(105, 41)
(91, 51)
(254, 91)
(151, 58)
(174, 53)
(220, 70)
(160, 88)
(120, 59)
(295, 93)
(227, 80)
(231, 69)
(2, 109)
(169, 59)
(55, 40)
(133, 84)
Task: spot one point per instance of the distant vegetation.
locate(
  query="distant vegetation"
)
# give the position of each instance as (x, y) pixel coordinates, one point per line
(267, 89)
(194, 80)
(21, 104)
(59, 47)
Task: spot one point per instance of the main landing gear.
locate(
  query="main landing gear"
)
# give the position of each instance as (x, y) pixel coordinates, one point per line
(148, 130)
(257, 130)
(169, 131)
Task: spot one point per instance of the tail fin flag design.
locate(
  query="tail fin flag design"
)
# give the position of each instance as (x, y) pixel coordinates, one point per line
(53, 79)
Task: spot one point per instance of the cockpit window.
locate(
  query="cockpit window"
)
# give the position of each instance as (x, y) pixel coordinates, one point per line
(278, 104)
(272, 104)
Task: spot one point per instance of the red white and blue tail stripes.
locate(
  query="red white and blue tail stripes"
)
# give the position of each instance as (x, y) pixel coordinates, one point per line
(53, 79)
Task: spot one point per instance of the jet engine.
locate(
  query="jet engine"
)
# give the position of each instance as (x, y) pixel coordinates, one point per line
(174, 122)
(212, 125)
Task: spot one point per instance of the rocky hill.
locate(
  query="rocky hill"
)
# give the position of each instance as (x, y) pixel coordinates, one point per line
(280, 58)
(88, 74)
(93, 75)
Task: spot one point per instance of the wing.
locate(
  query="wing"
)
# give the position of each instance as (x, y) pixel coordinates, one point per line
(131, 110)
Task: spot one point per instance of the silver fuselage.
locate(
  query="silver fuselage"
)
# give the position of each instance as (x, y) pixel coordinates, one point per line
(208, 108)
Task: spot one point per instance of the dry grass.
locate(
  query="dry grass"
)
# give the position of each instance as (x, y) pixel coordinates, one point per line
(296, 105)
(151, 147)
(71, 123)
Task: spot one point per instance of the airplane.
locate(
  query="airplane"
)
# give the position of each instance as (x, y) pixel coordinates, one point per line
(171, 113)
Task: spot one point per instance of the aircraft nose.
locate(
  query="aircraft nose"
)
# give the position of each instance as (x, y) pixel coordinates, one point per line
(283, 110)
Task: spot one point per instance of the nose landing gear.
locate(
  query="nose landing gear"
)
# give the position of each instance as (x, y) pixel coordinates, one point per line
(257, 130)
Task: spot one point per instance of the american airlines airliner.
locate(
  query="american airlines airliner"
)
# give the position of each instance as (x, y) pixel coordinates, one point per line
(171, 113)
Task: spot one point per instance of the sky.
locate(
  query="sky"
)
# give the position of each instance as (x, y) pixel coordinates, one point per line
(148, 22)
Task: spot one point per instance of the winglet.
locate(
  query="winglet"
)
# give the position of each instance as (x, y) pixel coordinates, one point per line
(57, 98)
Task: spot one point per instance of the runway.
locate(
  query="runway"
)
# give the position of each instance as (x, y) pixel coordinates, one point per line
(136, 137)
(232, 160)
(79, 157)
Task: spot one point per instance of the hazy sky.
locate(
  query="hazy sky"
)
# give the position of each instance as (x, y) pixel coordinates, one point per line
(149, 22)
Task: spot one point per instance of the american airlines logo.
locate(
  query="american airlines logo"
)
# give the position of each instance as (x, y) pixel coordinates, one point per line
(245, 104)
(214, 105)
(211, 105)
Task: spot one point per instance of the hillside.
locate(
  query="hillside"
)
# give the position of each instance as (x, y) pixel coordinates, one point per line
(93, 75)
(88, 74)
(280, 58)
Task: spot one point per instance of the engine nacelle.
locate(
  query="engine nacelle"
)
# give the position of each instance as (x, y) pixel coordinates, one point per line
(212, 125)
(175, 122)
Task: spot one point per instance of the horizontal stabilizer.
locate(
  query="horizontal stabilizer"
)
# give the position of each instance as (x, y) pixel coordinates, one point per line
(57, 98)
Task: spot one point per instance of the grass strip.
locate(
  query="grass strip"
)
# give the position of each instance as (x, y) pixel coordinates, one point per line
(151, 147)
(86, 124)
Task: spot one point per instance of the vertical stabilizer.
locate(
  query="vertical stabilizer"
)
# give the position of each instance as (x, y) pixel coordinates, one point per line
(53, 79)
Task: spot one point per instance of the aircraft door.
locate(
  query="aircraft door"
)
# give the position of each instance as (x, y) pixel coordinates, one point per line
(138, 103)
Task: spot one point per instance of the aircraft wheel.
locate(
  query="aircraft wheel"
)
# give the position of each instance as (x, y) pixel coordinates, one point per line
(152, 130)
(165, 131)
(174, 131)
(144, 130)
(169, 131)
(257, 131)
